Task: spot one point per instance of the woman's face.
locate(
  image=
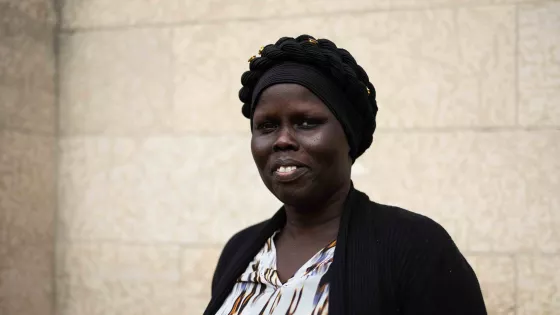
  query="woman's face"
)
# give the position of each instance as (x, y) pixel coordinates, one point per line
(299, 146)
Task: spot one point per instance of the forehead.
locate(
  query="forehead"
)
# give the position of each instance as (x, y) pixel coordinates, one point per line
(289, 97)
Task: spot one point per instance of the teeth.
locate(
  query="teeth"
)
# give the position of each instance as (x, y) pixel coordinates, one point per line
(286, 169)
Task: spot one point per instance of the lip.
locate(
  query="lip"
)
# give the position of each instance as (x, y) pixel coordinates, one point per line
(285, 178)
(286, 162)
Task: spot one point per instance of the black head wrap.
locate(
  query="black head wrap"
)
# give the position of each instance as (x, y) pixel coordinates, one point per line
(329, 72)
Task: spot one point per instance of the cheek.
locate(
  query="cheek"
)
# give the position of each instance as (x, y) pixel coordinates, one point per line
(259, 151)
(328, 151)
(330, 148)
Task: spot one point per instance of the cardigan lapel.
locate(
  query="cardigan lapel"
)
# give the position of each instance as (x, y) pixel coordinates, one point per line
(348, 294)
(338, 285)
(241, 260)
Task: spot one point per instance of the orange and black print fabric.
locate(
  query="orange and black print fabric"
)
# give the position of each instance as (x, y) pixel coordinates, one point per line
(259, 291)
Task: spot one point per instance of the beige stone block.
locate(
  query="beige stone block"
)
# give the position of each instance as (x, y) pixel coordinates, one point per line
(27, 56)
(182, 189)
(496, 275)
(438, 68)
(82, 164)
(493, 191)
(120, 297)
(198, 265)
(106, 13)
(40, 10)
(102, 13)
(539, 64)
(28, 109)
(27, 187)
(98, 262)
(115, 82)
(538, 285)
(27, 62)
(119, 278)
(26, 281)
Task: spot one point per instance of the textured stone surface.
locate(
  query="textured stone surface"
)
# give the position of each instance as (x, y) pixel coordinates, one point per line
(197, 266)
(115, 82)
(106, 13)
(27, 72)
(159, 189)
(40, 10)
(113, 261)
(87, 13)
(538, 285)
(27, 157)
(27, 81)
(120, 297)
(27, 208)
(539, 64)
(28, 109)
(437, 68)
(26, 52)
(463, 75)
(26, 280)
(496, 275)
(116, 278)
(75, 296)
(27, 188)
(493, 191)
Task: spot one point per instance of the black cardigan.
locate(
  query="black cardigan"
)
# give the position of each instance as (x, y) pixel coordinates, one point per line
(387, 261)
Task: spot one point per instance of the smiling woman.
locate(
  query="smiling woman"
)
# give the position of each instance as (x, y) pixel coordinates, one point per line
(329, 249)
(299, 146)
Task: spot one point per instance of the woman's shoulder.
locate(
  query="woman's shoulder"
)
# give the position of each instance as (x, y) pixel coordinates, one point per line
(429, 270)
(246, 234)
(402, 224)
(394, 215)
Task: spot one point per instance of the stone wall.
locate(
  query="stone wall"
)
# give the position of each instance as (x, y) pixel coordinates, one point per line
(155, 171)
(28, 158)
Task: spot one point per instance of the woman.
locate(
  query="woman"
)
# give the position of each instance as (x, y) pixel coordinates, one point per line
(329, 249)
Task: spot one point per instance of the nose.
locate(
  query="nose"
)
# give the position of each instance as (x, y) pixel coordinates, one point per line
(285, 141)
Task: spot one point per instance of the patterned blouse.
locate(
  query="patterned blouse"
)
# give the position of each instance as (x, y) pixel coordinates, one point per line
(259, 291)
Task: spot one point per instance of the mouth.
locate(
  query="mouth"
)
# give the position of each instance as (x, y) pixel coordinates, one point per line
(285, 170)
(289, 173)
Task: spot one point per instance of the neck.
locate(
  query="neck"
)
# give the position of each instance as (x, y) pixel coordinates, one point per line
(319, 219)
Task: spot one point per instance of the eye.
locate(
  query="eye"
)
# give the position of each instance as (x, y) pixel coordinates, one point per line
(266, 126)
(309, 123)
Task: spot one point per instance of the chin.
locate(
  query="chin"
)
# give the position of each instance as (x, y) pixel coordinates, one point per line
(293, 195)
